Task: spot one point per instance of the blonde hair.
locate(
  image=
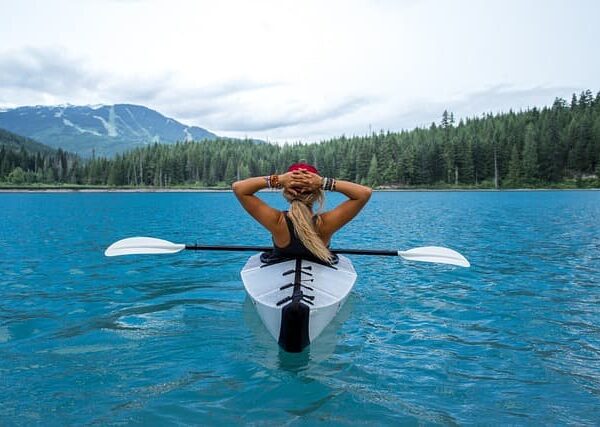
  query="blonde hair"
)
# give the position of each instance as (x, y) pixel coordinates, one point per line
(301, 215)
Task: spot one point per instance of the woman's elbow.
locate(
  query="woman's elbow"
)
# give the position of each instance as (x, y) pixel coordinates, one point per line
(235, 187)
(366, 193)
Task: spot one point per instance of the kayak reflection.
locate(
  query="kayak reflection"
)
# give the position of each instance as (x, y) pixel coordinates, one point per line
(274, 357)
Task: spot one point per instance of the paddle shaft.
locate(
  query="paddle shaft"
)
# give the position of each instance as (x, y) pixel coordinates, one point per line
(149, 245)
(270, 248)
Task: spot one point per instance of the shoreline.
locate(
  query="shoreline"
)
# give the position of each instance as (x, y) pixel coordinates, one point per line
(217, 190)
(115, 190)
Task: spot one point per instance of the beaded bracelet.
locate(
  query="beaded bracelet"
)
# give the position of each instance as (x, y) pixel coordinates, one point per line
(272, 181)
(275, 181)
(328, 184)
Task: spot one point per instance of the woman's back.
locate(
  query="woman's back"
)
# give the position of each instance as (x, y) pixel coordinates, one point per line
(302, 188)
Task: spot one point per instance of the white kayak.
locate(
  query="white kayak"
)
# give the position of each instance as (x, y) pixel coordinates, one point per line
(297, 298)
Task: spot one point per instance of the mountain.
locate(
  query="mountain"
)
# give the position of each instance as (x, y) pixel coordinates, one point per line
(103, 129)
(13, 141)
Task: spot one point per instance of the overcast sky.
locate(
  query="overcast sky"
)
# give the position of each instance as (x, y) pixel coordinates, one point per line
(299, 70)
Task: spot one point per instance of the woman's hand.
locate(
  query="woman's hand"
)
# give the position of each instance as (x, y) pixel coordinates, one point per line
(285, 179)
(303, 181)
(288, 182)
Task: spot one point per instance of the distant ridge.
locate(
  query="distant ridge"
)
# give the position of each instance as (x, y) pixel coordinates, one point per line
(13, 141)
(99, 129)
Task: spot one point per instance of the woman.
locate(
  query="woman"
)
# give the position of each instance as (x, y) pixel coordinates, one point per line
(298, 232)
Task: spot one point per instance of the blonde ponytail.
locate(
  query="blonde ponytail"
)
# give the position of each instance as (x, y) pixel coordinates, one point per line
(301, 215)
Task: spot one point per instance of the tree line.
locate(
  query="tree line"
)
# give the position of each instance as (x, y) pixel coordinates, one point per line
(536, 147)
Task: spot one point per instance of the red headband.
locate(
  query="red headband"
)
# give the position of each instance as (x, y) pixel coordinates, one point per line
(305, 166)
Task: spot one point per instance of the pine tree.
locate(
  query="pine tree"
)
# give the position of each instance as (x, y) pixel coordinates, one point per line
(373, 174)
(514, 167)
(468, 168)
(530, 157)
(230, 172)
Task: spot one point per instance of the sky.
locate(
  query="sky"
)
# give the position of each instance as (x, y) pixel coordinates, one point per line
(287, 71)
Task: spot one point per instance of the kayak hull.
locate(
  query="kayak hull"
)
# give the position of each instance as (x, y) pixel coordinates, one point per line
(297, 298)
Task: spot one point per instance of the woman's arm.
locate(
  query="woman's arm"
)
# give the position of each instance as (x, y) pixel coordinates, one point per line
(244, 190)
(358, 196)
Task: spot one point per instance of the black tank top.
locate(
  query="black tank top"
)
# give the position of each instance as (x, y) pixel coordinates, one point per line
(295, 249)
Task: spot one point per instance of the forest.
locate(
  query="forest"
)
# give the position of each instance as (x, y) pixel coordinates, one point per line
(545, 147)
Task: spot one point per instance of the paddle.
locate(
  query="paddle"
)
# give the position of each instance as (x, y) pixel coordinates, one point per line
(150, 245)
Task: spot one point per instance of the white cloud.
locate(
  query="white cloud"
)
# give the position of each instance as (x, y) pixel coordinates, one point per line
(288, 70)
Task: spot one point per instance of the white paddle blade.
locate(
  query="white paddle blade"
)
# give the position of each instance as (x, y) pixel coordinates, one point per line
(435, 254)
(142, 245)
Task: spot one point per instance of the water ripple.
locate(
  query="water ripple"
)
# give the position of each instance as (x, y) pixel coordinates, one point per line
(172, 339)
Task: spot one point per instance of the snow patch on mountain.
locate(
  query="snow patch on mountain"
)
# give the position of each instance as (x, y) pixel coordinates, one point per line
(111, 130)
(67, 122)
(140, 130)
(111, 121)
(188, 135)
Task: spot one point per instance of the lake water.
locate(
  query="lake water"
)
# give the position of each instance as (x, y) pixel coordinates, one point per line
(171, 339)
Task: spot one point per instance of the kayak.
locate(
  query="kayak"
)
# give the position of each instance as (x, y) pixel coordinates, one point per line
(297, 298)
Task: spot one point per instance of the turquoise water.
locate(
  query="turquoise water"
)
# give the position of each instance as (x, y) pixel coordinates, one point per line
(171, 339)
